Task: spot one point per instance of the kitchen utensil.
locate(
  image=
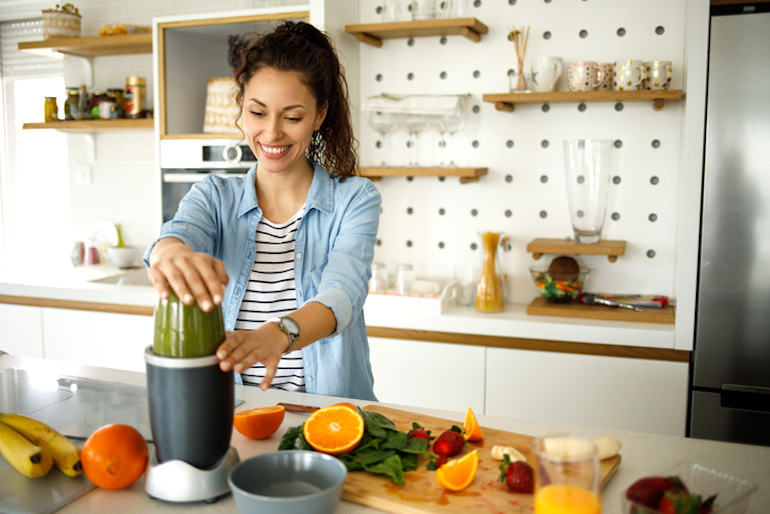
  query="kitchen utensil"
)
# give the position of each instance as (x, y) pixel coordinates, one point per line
(587, 165)
(421, 492)
(733, 493)
(191, 404)
(287, 482)
(590, 300)
(567, 475)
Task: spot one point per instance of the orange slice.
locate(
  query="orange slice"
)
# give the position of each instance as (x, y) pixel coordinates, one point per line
(259, 423)
(335, 430)
(472, 428)
(458, 474)
(346, 404)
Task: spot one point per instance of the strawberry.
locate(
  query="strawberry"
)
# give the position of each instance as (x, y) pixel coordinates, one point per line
(442, 459)
(418, 431)
(678, 501)
(649, 490)
(449, 443)
(517, 475)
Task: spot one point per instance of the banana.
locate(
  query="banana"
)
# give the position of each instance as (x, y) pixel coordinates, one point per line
(30, 460)
(66, 455)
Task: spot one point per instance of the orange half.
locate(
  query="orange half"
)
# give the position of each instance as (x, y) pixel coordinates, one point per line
(259, 423)
(334, 430)
(472, 428)
(458, 474)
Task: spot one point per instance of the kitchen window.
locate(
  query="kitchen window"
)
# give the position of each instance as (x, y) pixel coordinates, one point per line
(35, 227)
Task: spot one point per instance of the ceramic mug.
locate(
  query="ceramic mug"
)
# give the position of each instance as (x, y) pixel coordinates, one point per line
(659, 74)
(605, 76)
(547, 73)
(583, 76)
(629, 75)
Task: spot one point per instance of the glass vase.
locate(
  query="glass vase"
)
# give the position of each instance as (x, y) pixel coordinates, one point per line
(587, 166)
(489, 293)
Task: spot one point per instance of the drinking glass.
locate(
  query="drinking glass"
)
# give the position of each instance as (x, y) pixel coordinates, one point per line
(567, 475)
(384, 123)
(379, 281)
(423, 9)
(391, 11)
(587, 166)
(414, 124)
(452, 123)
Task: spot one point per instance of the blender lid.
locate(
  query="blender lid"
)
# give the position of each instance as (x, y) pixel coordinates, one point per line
(178, 362)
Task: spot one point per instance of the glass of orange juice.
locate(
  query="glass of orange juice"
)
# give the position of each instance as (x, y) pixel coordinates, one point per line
(567, 477)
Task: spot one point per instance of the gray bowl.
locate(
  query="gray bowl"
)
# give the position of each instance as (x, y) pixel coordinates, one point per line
(287, 482)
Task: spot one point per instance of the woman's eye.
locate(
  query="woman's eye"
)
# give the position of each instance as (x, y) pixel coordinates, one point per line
(257, 113)
(294, 120)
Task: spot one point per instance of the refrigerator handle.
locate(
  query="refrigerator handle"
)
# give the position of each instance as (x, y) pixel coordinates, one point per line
(743, 397)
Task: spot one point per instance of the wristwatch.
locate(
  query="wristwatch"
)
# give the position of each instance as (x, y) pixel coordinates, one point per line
(289, 327)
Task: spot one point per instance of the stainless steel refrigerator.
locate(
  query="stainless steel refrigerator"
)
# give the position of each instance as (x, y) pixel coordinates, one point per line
(730, 394)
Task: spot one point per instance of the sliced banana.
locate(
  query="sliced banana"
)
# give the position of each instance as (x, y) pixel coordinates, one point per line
(608, 447)
(498, 453)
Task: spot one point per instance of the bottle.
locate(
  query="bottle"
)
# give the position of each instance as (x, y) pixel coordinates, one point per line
(134, 96)
(84, 104)
(489, 294)
(91, 256)
(71, 103)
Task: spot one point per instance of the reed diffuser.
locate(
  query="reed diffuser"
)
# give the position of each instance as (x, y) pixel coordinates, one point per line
(520, 38)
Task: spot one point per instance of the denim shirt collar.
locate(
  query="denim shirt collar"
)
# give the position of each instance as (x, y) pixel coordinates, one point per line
(320, 196)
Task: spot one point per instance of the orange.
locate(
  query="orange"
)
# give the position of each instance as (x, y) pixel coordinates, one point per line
(335, 430)
(346, 404)
(458, 474)
(472, 428)
(114, 457)
(261, 422)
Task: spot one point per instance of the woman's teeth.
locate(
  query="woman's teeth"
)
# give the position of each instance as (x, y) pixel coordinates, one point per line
(274, 149)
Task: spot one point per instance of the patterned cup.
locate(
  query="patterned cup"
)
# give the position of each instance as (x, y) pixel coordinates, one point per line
(605, 76)
(583, 76)
(659, 74)
(629, 75)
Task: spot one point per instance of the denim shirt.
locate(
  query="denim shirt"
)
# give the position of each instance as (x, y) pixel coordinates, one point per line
(332, 263)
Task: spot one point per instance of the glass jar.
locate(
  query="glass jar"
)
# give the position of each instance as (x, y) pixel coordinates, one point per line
(489, 293)
(51, 109)
(71, 103)
(117, 95)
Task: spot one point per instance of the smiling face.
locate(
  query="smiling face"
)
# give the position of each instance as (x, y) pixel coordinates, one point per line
(279, 117)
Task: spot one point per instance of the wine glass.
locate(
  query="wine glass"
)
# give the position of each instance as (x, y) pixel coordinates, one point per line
(452, 124)
(384, 123)
(414, 123)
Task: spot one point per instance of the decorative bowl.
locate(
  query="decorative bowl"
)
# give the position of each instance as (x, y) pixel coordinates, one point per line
(559, 287)
(123, 257)
(733, 493)
(287, 482)
(61, 23)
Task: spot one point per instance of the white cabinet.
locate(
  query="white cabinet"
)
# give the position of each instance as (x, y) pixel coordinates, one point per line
(613, 392)
(21, 330)
(97, 338)
(424, 374)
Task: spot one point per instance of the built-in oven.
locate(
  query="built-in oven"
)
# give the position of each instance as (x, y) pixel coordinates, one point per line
(184, 162)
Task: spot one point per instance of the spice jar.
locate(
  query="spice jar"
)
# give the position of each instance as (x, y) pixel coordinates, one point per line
(134, 96)
(117, 95)
(51, 109)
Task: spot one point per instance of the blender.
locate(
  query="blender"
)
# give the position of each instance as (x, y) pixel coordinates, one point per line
(191, 405)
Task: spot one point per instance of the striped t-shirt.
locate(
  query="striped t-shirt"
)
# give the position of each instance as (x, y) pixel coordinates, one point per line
(270, 293)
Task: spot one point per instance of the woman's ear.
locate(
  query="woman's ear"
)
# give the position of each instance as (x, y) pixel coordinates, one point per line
(321, 116)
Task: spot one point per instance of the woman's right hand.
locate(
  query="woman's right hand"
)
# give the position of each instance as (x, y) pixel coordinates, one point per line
(194, 276)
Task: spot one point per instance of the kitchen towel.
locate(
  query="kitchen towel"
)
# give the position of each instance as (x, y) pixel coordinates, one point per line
(413, 104)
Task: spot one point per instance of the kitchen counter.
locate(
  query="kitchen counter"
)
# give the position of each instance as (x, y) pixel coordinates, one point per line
(642, 454)
(75, 288)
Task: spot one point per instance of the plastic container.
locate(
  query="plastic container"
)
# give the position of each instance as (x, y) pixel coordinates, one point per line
(733, 493)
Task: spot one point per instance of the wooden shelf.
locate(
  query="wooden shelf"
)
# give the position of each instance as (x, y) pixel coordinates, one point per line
(373, 33)
(612, 249)
(93, 125)
(506, 101)
(91, 46)
(466, 175)
(540, 307)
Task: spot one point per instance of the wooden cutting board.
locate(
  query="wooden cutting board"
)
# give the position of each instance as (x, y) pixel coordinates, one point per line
(421, 493)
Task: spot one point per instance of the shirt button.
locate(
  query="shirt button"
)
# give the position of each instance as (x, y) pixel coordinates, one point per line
(309, 379)
(299, 294)
(299, 256)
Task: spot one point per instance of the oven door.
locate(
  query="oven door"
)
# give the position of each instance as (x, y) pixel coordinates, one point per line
(177, 183)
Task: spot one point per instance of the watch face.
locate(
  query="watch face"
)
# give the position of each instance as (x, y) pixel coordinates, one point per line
(290, 325)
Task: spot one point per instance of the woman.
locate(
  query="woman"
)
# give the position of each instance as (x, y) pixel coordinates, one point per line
(287, 249)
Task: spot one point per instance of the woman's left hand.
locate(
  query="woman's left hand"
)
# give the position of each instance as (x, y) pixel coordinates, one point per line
(244, 348)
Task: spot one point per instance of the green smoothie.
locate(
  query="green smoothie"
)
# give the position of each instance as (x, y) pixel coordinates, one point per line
(185, 330)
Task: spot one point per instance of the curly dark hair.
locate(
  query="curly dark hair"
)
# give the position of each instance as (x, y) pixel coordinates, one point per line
(302, 48)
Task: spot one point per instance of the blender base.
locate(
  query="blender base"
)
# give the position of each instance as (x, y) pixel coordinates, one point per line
(178, 481)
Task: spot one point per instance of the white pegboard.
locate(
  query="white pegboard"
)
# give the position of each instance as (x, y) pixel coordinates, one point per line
(527, 178)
